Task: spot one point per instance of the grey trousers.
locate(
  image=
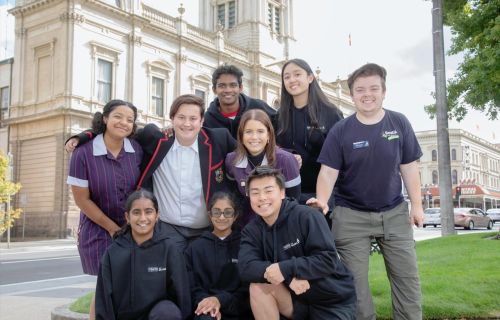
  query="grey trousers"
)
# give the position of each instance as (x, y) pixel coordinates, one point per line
(353, 231)
(181, 237)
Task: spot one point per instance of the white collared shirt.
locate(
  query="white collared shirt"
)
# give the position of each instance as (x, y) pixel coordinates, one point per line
(99, 147)
(178, 187)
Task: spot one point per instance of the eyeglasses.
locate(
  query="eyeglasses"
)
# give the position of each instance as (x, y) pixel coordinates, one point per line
(216, 213)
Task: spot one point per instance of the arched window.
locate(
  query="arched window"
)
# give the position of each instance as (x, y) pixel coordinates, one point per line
(434, 155)
(454, 177)
(453, 154)
(434, 177)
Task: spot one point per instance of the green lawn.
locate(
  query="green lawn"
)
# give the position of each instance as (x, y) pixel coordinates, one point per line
(460, 278)
(82, 305)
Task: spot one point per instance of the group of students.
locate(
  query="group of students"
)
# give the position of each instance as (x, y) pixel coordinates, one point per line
(285, 262)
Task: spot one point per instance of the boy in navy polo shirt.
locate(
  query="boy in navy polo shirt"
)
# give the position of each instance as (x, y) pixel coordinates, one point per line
(367, 154)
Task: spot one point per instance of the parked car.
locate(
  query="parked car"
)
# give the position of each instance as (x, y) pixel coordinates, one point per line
(432, 217)
(494, 214)
(470, 218)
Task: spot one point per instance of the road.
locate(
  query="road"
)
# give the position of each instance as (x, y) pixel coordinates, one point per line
(36, 277)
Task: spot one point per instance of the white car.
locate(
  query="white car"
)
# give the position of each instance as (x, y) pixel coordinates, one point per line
(494, 214)
(432, 217)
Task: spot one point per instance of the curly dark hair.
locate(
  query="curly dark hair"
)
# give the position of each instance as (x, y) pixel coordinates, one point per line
(98, 125)
(227, 69)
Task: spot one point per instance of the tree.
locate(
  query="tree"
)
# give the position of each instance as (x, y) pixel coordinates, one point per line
(475, 26)
(7, 189)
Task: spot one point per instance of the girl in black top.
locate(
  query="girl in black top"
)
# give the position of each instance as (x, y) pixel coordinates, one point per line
(304, 119)
(212, 262)
(142, 275)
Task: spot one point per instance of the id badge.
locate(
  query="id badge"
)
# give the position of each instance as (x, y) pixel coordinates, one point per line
(360, 145)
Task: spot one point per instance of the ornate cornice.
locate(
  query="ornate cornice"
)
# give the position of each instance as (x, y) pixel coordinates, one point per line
(28, 6)
(72, 16)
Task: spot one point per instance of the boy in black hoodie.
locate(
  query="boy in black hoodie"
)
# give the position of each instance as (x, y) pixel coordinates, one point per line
(289, 257)
(226, 110)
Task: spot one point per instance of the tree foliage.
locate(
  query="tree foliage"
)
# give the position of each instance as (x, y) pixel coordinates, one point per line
(7, 189)
(475, 26)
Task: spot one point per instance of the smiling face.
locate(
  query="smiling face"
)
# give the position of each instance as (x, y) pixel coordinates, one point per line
(142, 218)
(255, 137)
(266, 198)
(119, 122)
(368, 95)
(228, 91)
(221, 217)
(187, 124)
(297, 81)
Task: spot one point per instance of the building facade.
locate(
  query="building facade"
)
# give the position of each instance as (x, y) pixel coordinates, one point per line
(475, 169)
(5, 93)
(71, 57)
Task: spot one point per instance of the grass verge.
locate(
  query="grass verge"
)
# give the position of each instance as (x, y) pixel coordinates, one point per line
(82, 305)
(459, 277)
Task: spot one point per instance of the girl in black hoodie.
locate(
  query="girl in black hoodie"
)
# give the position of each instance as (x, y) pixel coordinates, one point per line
(304, 119)
(212, 262)
(142, 275)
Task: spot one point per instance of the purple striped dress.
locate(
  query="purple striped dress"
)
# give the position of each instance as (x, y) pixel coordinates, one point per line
(109, 181)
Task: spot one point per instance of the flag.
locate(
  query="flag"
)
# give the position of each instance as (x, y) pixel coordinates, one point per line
(350, 42)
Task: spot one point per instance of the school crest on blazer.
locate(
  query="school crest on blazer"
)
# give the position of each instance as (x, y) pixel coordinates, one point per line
(219, 175)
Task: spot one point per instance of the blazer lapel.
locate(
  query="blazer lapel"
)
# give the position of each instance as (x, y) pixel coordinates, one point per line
(205, 150)
(162, 148)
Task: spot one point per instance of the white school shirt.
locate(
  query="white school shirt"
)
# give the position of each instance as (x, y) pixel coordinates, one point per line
(177, 186)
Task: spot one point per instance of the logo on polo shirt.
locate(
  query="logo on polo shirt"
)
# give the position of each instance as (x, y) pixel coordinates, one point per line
(156, 269)
(291, 244)
(390, 135)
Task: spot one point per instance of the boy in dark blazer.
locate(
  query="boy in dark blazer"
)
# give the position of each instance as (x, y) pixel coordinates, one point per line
(182, 168)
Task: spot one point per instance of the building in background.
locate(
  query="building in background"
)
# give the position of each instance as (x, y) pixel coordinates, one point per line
(5, 93)
(475, 169)
(71, 57)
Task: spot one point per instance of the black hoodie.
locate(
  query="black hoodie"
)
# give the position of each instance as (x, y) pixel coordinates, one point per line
(214, 119)
(302, 138)
(212, 265)
(302, 244)
(133, 278)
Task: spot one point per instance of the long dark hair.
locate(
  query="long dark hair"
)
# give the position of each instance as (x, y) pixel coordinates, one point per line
(98, 125)
(262, 117)
(138, 194)
(316, 99)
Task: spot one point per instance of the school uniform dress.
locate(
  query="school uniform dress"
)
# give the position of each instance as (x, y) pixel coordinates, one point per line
(300, 242)
(212, 265)
(109, 181)
(139, 282)
(285, 161)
